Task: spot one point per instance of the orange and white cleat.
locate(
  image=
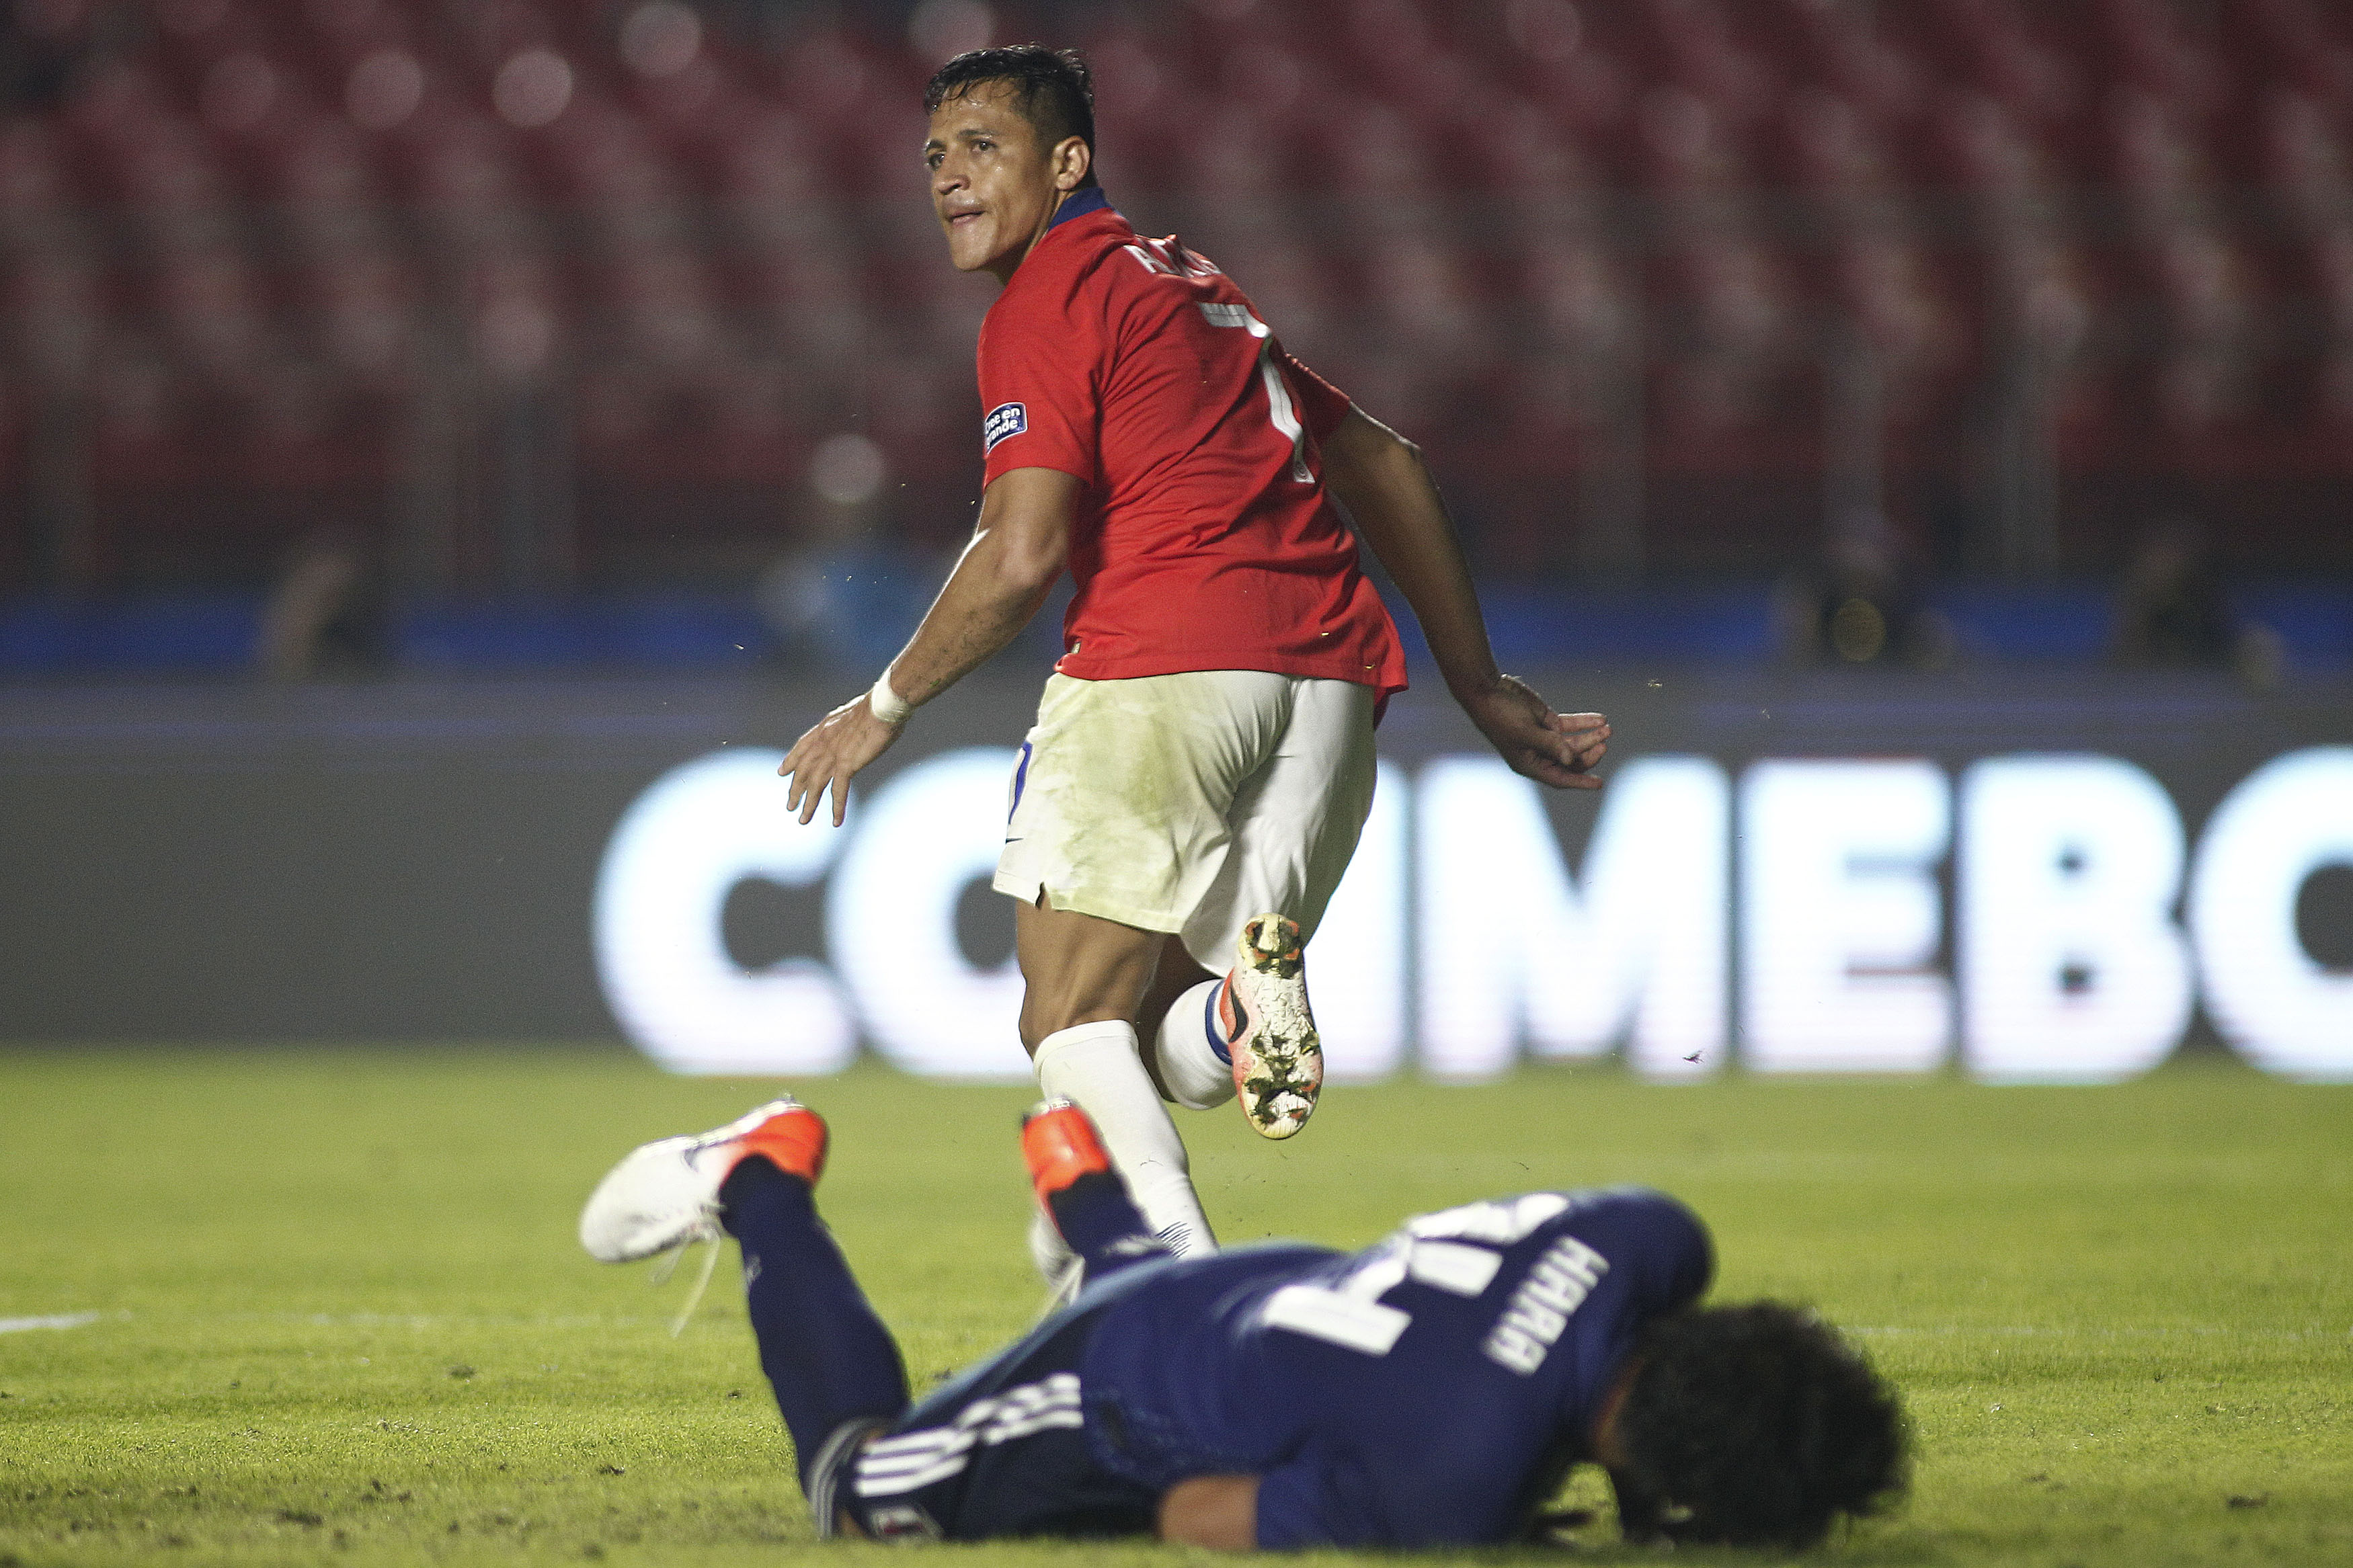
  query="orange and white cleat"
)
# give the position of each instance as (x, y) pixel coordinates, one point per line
(1060, 1144)
(665, 1194)
(1270, 1032)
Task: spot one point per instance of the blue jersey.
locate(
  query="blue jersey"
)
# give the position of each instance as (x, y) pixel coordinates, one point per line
(1429, 1390)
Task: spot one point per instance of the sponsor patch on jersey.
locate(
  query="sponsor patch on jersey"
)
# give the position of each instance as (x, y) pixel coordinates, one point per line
(1005, 419)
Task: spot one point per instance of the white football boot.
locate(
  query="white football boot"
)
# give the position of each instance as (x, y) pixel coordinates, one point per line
(665, 1194)
(1063, 1270)
(1270, 1032)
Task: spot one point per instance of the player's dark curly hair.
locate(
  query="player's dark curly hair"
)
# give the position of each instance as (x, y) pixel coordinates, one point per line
(1052, 87)
(1755, 1426)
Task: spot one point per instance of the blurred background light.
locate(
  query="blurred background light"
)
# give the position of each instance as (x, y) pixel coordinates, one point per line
(385, 88)
(661, 38)
(847, 469)
(533, 88)
(942, 29)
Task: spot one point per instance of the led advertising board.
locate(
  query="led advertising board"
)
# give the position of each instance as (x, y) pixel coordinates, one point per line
(2022, 876)
(1793, 905)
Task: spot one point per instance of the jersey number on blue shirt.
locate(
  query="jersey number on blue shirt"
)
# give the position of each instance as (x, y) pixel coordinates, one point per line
(1429, 1250)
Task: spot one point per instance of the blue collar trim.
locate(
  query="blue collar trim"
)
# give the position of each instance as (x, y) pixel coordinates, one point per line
(1080, 204)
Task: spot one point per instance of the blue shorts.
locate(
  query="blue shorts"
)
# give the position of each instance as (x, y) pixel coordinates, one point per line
(1000, 1451)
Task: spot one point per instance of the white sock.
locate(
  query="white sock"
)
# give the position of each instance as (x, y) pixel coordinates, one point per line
(1197, 1076)
(1096, 1065)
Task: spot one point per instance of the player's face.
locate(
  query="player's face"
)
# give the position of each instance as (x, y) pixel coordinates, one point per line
(993, 184)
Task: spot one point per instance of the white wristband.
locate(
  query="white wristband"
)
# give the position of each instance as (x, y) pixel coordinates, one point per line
(888, 705)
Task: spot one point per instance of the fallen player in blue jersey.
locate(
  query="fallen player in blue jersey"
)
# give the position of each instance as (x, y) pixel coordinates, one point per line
(1431, 1390)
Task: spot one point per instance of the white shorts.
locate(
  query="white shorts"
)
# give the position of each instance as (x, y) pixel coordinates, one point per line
(1191, 803)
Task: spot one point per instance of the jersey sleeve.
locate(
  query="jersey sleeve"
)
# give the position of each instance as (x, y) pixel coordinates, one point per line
(1040, 384)
(1321, 405)
(1308, 1503)
(1321, 1497)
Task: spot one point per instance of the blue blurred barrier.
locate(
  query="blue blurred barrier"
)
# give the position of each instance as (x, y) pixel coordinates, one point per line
(670, 631)
(2065, 621)
(1724, 623)
(2313, 620)
(181, 632)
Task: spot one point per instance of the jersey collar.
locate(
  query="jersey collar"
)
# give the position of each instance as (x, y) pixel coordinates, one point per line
(1080, 204)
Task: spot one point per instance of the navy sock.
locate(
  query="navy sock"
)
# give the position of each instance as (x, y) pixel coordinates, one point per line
(1100, 1221)
(827, 1355)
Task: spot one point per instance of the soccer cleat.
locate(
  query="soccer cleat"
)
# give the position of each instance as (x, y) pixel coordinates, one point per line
(665, 1193)
(1060, 1144)
(1063, 1270)
(1086, 1225)
(1270, 1032)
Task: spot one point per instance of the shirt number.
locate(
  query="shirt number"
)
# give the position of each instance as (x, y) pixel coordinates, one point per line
(1351, 1313)
(1160, 258)
(1278, 396)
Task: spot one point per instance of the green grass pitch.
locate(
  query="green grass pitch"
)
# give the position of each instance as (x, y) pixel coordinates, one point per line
(340, 1316)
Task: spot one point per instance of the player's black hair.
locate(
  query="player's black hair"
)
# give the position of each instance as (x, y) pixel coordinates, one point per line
(1052, 87)
(1755, 1426)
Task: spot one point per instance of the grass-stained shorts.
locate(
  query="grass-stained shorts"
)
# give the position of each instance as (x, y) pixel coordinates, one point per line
(1190, 803)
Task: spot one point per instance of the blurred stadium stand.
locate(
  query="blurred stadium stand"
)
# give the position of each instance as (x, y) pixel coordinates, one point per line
(549, 310)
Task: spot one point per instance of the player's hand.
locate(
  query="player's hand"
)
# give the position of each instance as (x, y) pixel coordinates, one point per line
(1556, 749)
(829, 755)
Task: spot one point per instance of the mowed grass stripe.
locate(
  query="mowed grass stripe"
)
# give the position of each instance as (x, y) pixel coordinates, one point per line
(342, 1317)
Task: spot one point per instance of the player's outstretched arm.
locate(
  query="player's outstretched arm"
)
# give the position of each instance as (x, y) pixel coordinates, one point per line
(1380, 477)
(1017, 552)
(1216, 1511)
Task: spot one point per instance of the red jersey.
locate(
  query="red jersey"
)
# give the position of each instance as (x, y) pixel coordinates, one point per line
(1204, 538)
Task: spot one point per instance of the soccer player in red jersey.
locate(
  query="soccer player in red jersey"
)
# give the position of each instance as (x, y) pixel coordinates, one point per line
(1203, 758)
